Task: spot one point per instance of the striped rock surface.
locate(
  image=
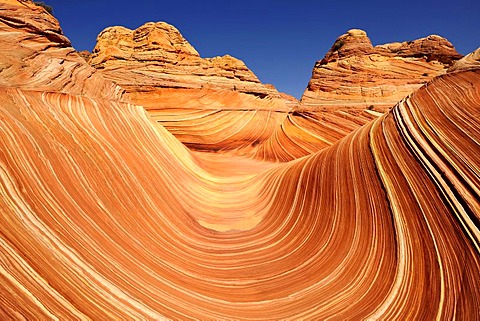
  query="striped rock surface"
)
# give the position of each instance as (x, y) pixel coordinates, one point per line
(187, 94)
(190, 95)
(37, 56)
(356, 74)
(106, 215)
(470, 61)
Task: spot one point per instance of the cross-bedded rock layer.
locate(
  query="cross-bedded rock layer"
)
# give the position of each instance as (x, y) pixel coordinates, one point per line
(161, 71)
(37, 56)
(188, 95)
(356, 74)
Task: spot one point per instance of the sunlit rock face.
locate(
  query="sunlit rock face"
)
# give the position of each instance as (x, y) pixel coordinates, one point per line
(107, 216)
(469, 62)
(356, 74)
(353, 84)
(185, 93)
(37, 56)
(157, 56)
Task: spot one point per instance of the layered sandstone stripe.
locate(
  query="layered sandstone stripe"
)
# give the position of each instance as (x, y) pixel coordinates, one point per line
(469, 62)
(217, 119)
(306, 132)
(218, 104)
(35, 55)
(382, 224)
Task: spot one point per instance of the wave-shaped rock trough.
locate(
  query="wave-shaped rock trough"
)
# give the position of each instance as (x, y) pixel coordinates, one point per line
(106, 215)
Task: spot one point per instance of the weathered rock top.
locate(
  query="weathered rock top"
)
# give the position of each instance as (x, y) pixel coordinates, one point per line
(356, 42)
(356, 74)
(470, 61)
(157, 56)
(152, 38)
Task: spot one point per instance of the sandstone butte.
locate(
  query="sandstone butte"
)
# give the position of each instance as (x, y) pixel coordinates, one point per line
(161, 71)
(354, 73)
(105, 215)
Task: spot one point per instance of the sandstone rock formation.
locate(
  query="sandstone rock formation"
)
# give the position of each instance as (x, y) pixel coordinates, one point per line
(470, 61)
(161, 71)
(156, 56)
(356, 74)
(306, 132)
(106, 215)
(39, 57)
(85, 54)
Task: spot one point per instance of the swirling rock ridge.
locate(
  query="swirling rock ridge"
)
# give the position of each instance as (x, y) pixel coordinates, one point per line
(106, 215)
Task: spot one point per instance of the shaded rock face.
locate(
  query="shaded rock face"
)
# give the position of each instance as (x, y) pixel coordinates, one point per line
(85, 54)
(354, 73)
(156, 57)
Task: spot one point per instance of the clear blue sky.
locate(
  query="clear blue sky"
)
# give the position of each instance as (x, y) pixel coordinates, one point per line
(278, 40)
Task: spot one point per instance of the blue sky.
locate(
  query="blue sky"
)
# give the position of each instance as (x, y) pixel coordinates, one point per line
(278, 40)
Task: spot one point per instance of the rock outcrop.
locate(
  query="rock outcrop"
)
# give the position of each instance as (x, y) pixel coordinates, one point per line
(470, 61)
(85, 54)
(155, 57)
(185, 93)
(37, 56)
(356, 74)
